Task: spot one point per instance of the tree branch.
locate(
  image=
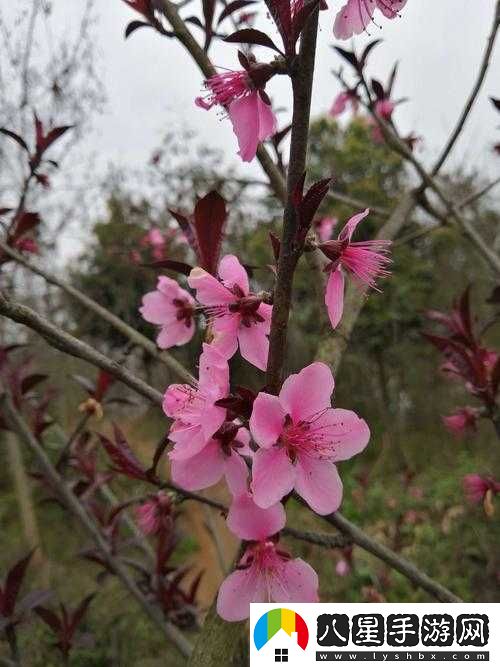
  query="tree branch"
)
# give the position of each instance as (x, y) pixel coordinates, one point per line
(19, 426)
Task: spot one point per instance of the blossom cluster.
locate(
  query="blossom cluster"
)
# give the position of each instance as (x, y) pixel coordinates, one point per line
(264, 446)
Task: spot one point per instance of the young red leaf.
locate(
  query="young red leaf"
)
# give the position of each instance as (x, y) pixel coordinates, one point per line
(172, 264)
(31, 381)
(25, 222)
(378, 89)
(135, 25)
(209, 220)
(49, 618)
(19, 140)
(104, 382)
(252, 36)
(496, 103)
(13, 583)
(123, 458)
(350, 56)
(232, 7)
(367, 51)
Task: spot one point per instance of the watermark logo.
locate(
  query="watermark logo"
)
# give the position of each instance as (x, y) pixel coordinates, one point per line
(270, 624)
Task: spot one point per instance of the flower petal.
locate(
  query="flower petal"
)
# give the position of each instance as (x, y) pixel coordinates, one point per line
(319, 484)
(209, 291)
(348, 433)
(250, 522)
(353, 18)
(267, 119)
(298, 583)
(236, 472)
(157, 308)
(307, 393)
(176, 333)
(266, 422)
(254, 345)
(237, 591)
(350, 227)
(200, 471)
(334, 296)
(233, 273)
(244, 115)
(273, 476)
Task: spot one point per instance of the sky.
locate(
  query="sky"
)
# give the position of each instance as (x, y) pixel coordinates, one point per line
(151, 81)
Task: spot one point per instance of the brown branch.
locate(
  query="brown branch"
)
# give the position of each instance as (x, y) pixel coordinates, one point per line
(390, 557)
(67, 343)
(19, 426)
(474, 94)
(134, 336)
(290, 250)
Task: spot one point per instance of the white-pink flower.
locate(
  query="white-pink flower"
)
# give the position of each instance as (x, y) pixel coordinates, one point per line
(324, 228)
(221, 456)
(301, 438)
(237, 316)
(172, 308)
(247, 105)
(365, 260)
(265, 574)
(193, 409)
(341, 102)
(356, 15)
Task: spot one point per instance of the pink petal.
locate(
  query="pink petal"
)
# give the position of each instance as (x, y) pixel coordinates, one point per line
(390, 8)
(267, 120)
(209, 291)
(353, 18)
(250, 522)
(176, 333)
(266, 422)
(319, 484)
(244, 117)
(349, 434)
(175, 399)
(352, 223)
(273, 476)
(339, 104)
(254, 345)
(170, 288)
(200, 471)
(225, 330)
(237, 591)
(236, 472)
(213, 372)
(157, 308)
(334, 296)
(307, 393)
(189, 441)
(232, 273)
(301, 583)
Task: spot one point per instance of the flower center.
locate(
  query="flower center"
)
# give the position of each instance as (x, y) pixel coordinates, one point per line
(309, 436)
(185, 311)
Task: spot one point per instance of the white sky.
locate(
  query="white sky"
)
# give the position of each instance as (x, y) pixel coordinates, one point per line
(151, 81)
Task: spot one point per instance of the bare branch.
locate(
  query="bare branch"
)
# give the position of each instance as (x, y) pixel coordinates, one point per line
(121, 326)
(67, 343)
(474, 94)
(19, 426)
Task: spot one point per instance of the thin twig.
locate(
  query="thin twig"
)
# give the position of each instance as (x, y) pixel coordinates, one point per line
(474, 93)
(134, 336)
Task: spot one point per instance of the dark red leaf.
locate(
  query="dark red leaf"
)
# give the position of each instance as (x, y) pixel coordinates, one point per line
(280, 135)
(233, 7)
(252, 36)
(19, 140)
(123, 458)
(392, 79)
(350, 56)
(312, 201)
(368, 49)
(172, 264)
(135, 25)
(209, 219)
(80, 612)
(496, 103)
(25, 222)
(13, 584)
(378, 89)
(104, 382)
(50, 618)
(193, 589)
(31, 381)
(300, 19)
(187, 228)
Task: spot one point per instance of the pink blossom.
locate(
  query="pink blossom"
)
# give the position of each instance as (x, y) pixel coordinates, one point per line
(247, 105)
(462, 421)
(301, 438)
(155, 515)
(27, 245)
(356, 15)
(265, 574)
(324, 228)
(155, 240)
(237, 316)
(193, 409)
(345, 563)
(341, 101)
(476, 487)
(250, 522)
(385, 108)
(365, 260)
(172, 308)
(220, 456)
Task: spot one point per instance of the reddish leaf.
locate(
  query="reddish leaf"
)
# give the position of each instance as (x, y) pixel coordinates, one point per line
(104, 382)
(209, 219)
(172, 264)
(367, 51)
(252, 36)
(25, 222)
(80, 612)
(19, 140)
(312, 201)
(123, 458)
(232, 7)
(13, 584)
(31, 381)
(300, 19)
(187, 228)
(378, 89)
(350, 56)
(496, 103)
(135, 25)
(50, 618)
